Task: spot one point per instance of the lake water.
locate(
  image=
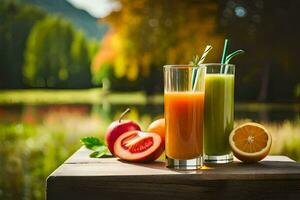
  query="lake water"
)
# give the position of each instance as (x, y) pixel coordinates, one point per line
(36, 139)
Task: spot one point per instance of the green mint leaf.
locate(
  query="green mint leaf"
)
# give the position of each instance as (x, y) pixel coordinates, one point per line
(108, 154)
(100, 148)
(101, 152)
(195, 61)
(97, 154)
(92, 143)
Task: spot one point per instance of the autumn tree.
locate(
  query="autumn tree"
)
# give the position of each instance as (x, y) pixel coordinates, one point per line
(145, 35)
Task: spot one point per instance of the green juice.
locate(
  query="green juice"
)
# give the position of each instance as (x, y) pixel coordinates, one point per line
(219, 113)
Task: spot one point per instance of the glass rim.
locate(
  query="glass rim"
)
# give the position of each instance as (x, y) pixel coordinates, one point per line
(216, 64)
(182, 66)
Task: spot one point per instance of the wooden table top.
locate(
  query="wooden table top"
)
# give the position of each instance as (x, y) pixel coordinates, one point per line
(272, 167)
(81, 175)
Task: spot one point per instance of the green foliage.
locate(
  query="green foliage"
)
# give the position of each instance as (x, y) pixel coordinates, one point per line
(91, 142)
(145, 35)
(195, 61)
(286, 138)
(56, 56)
(106, 72)
(98, 146)
(34, 145)
(93, 47)
(43, 96)
(16, 23)
(28, 154)
(106, 77)
(39, 50)
(148, 34)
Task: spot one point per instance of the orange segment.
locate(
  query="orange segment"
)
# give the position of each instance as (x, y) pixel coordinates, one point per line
(250, 142)
(250, 139)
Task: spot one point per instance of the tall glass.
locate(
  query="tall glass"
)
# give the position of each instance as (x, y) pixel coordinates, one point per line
(219, 112)
(184, 110)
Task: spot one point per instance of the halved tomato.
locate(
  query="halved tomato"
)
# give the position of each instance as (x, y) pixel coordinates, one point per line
(138, 146)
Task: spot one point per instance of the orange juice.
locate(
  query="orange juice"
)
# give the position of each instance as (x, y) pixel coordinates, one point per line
(184, 124)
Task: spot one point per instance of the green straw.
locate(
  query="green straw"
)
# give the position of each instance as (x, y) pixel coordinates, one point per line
(230, 56)
(233, 54)
(224, 54)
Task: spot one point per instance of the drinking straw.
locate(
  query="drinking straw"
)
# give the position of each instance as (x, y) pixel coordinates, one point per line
(224, 54)
(195, 71)
(230, 56)
(233, 54)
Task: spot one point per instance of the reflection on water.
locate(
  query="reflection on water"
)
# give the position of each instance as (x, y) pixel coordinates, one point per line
(37, 139)
(266, 113)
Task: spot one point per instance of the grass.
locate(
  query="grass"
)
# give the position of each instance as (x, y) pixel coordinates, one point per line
(29, 152)
(137, 98)
(88, 96)
(286, 139)
(51, 96)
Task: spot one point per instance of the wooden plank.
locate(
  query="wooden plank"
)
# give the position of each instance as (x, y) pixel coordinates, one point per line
(82, 156)
(177, 187)
(81, 177)
(233, 171)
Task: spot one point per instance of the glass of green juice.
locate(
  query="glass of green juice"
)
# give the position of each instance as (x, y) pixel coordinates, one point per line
(218, 112)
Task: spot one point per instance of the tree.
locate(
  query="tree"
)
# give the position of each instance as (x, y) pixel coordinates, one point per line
(269, 32)
(16, 22)
(145, 35)
(57, 56)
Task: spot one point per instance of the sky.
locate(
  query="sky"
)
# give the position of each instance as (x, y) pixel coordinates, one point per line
(96, 8)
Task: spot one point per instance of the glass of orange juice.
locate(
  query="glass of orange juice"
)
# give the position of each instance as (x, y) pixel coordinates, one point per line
(184, 108)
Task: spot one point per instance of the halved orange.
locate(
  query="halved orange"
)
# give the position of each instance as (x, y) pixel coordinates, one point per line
(250, 142)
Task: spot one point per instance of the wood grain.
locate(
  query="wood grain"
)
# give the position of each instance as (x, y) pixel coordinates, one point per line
(81, 177)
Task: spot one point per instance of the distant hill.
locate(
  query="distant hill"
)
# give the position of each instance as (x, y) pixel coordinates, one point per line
(80, 18)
